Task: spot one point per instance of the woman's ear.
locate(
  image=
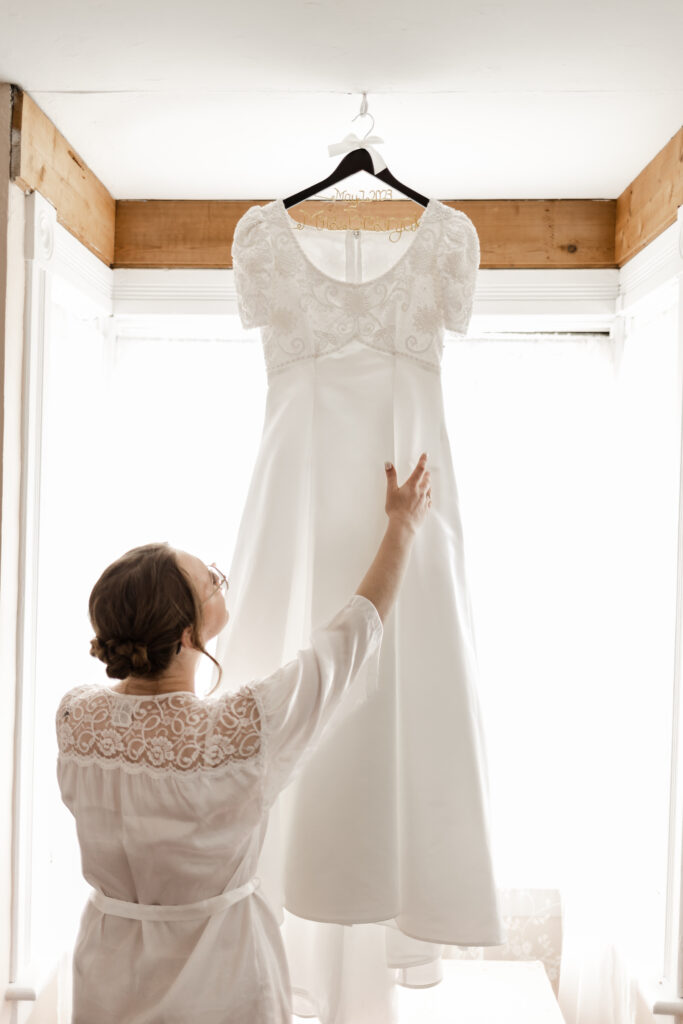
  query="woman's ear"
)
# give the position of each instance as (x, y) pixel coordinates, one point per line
(185, 639)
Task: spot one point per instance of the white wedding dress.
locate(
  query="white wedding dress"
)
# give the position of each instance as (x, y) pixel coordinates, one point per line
(386, 827)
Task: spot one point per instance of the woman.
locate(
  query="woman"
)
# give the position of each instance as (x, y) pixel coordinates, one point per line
(171, 793)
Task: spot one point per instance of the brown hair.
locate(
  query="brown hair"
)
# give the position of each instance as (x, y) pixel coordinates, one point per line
(139, 608)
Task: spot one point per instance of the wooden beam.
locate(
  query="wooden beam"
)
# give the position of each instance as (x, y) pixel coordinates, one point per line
(176, 232)
(43, 161)
(526, 233)
(543, 233)
(650, 203)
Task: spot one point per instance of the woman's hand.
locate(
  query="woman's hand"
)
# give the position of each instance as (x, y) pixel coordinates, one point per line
(407, 508)
(411, 502)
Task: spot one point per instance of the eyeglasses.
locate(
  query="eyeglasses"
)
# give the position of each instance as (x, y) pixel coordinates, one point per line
(220, 581)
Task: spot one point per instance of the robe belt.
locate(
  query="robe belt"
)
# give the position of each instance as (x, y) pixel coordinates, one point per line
(172, 911)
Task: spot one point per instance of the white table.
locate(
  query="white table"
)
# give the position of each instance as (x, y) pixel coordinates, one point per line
(483, 992)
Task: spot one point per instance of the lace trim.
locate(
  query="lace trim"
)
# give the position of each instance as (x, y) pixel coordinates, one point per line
(305, 314)
(179, 733)
(459, 252)
(252, 263)
(264, 754)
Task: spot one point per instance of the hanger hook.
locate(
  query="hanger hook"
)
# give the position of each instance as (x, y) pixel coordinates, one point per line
(363, 112)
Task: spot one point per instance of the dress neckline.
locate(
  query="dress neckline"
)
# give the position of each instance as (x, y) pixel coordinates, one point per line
(289, 221)
(145, 696)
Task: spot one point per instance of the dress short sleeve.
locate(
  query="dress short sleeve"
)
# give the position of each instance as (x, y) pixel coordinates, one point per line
(252, 264)
(457, 265)
(297, 702)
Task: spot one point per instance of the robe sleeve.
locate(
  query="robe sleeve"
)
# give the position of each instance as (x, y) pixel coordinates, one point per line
(457, 265)
(252, 264)
(297, 702)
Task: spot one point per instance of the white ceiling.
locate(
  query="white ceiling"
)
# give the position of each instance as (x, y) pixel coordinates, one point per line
(475, 100)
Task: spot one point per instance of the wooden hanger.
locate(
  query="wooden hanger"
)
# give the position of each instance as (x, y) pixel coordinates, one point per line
(357, 160)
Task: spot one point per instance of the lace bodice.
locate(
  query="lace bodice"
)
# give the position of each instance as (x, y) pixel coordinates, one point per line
(173, 732)
(305, 313)
(264, 728)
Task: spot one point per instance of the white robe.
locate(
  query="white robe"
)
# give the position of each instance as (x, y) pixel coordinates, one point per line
(171, 796)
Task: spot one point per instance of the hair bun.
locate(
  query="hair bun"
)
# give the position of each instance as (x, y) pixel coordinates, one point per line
(98, 648)
(145, 601)
(136, 652)
(122, 657)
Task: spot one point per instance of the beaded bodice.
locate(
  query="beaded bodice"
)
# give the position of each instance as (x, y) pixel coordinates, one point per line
(305, 312)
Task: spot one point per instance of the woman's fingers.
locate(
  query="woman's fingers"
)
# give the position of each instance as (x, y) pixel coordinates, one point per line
(419, 469)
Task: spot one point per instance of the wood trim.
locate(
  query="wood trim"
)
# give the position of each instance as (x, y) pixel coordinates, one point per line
(531, 233)
(514, 233)
(5, 135)
(43, 161)
(176, 233)
(650, 203)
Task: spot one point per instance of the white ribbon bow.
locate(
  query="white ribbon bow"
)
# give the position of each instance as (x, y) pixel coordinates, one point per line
(352, 141)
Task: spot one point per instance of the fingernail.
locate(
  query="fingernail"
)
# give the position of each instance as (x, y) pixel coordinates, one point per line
(387, 466)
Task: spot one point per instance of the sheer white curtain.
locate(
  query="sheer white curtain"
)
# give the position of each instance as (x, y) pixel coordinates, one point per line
(145, 440)
(566, 454)
(567, 451)
(615, 833)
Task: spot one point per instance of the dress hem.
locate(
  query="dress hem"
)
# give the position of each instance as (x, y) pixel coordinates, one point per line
(432, 984)
(385, 920)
